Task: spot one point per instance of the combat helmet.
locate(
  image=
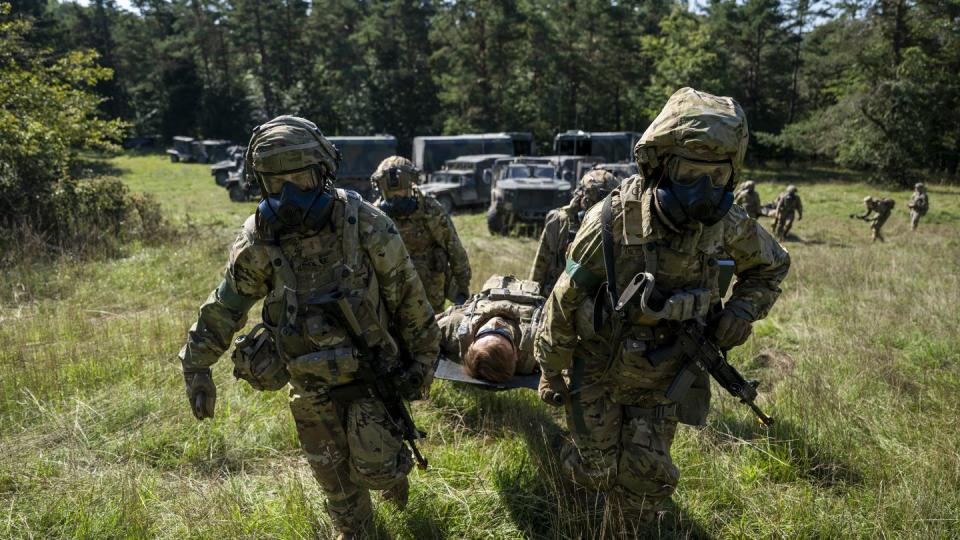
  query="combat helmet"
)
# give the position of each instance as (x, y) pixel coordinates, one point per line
(595, 185)
(749, 184)
(692, 155)
(395, 177)
(791, 189)
(919, 186)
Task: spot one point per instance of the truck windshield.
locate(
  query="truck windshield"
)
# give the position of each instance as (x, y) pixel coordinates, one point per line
(530, 171)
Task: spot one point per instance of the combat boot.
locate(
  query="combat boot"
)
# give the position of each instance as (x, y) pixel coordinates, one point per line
(399, 494)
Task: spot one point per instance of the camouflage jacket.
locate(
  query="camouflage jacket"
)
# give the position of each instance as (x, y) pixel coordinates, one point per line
(558, 230)
(919, 202)
(749, 200)
(788, 204)
(518, 302)
(434, 247)
(683, 261)
(362, 256)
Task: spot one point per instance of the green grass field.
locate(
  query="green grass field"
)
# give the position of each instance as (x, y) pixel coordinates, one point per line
(859, 363)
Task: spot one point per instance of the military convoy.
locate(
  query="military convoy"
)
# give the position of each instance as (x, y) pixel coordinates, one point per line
(190, 150)
(525, 189)
(431, 153)
(463, 182)
(359, 159)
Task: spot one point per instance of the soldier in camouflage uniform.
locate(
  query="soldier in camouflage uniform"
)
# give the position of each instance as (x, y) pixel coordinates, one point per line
(307, 245)
(788, 203)
(883, 209)
(562, 224)
(919, 204)
(507, 310)
(667, 227)
(748, 199)
(426, 230)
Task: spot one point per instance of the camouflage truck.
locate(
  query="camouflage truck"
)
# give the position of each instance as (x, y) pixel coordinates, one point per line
(526, 188)
(612, 146)
(463, 182)
(221, 169)
(430, 153)
(182, 149)
(360, 157)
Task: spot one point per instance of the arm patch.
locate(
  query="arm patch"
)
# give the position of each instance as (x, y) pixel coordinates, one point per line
(581, 276)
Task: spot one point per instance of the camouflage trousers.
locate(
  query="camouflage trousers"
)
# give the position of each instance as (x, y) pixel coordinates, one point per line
(914, 219)
(625, 456)
(784, 224)
(352, 448)
(876, 227)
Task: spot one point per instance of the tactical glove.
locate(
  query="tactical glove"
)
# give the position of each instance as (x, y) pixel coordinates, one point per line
(201, 392)
(552, 390)
(731, 330)
(411, 381)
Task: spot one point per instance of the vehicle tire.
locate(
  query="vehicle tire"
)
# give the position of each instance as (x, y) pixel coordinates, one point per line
(495, 222)
(174, 158)
(237, 194)
(221, 178)
(446, 203)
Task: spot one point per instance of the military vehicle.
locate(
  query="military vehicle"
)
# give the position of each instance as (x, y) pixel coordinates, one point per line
(525, 189)
(182, 149)
(430, 153)
(621, 170)
(463, 182)
(237, 185)
(360, 157)
(523, 143)
(612, 146)
(221, 170)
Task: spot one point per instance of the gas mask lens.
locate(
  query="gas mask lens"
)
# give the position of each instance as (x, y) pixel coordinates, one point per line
(685, 172)
(302, 179)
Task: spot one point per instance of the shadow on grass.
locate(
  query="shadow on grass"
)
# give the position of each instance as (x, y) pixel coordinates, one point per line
(792, 453)
(95, 167)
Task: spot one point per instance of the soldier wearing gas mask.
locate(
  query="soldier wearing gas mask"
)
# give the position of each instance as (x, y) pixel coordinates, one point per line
(562, 224)
(659, 240)
(330, 269)
(426, 230)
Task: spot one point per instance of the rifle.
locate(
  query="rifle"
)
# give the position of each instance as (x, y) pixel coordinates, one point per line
(377, 383)
(702, 355)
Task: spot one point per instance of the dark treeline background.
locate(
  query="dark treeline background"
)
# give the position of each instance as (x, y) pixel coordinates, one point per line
(871, 85)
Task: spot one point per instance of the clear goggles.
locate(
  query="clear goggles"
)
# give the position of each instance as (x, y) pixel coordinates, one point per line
(685, 171)
(302, 179)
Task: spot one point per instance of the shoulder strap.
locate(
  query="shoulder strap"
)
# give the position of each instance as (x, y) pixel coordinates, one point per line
(350, 239)
(606, 234)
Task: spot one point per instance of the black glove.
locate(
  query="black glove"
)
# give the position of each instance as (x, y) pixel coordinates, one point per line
(201, 392)
(553, 391)
(731, 330)
(411, 381)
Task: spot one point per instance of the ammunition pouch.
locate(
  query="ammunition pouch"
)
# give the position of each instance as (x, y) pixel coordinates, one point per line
(256, 360)
(325, 368)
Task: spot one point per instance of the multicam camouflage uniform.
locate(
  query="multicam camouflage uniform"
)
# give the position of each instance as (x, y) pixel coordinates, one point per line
(351, 447)
(621, 423)
(749, 199)
(787, 204)
(518, 302)
(561, 226)
(883, 209)
(919, 205)
(428, 233)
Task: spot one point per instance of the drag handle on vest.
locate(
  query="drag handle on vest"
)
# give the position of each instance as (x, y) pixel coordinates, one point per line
(379, 384)
(702, 355)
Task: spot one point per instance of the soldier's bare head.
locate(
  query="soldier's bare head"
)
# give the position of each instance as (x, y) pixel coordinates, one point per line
(492, 356)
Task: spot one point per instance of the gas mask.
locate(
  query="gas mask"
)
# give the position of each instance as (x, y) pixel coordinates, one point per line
(694, 191)
(396, 187)
(295, 201)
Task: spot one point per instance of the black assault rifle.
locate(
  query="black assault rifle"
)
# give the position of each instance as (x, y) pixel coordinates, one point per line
(702, 355)
(377, 383)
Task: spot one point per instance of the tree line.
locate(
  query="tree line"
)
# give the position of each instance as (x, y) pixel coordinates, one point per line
(867, 84)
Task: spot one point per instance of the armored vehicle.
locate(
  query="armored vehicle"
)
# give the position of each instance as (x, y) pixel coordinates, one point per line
(464, 181)
(360, 157)
(182, 149)
(612, 146)
(526, 188)
(221, 170)
(238, 186)
(430, 153)
(621, 170)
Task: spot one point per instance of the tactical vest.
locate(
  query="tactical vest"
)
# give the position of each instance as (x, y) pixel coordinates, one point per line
(427, 254)
(514, 299)
(308, 275)
(789, 204)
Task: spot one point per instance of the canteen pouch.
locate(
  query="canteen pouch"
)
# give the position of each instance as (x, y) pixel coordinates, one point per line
(325, 368)
(255, 360)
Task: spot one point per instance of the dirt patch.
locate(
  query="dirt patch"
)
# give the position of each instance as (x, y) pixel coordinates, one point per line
(778, 364)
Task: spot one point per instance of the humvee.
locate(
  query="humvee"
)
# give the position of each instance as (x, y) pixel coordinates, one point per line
(360, 157)
(211, 150)
(182, 149)
(525, 189)
(464, 181)
(612, 146)
(221, 170)
(237, 185)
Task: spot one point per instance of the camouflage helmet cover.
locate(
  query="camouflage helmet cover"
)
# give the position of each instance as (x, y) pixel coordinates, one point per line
(919, 186)
(748, 184)
(289, 143)
(695, 125)
(601, 179)
(868, 199)
(395, 177)
(791, 188)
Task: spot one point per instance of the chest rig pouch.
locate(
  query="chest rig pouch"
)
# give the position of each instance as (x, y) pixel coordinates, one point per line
(641, 318)
(311, 339)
